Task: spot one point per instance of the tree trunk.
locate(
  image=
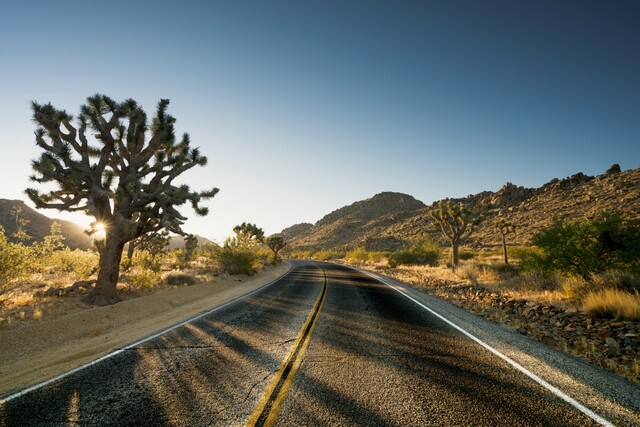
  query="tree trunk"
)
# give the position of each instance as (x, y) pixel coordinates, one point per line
(105, 292)
(454, 254)
(504, 249)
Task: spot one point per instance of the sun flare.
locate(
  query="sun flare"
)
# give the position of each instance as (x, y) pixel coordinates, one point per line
(99, 231)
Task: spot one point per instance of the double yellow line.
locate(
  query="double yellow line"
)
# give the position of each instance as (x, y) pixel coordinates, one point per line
(266, 412)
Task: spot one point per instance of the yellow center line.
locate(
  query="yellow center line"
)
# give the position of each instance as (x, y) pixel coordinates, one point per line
(266, 412)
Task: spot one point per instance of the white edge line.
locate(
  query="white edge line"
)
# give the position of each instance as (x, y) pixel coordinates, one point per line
(510, 361)
(134, 344)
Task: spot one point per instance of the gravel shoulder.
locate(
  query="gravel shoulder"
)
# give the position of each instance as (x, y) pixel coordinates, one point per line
(33, 352)
(610, 396)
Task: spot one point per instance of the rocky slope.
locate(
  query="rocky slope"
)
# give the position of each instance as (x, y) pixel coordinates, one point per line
(388, 219)
(362, 223)
(39, 225)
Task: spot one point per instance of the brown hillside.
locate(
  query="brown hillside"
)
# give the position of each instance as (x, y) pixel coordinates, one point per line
(39, 225)
(577, 197)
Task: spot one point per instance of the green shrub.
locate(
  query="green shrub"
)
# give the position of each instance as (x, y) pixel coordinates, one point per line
(465, 255)
(587, 247)
(404, 257)
(237, 260)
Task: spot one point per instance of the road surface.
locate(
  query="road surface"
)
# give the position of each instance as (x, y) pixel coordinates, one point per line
(329, 345)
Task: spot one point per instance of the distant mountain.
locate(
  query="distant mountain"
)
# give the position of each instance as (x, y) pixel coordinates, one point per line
(359, 224)
(177, 242)
(39, 225)
(386, 220)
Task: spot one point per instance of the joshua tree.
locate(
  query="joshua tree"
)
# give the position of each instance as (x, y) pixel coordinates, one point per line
(190, 245)
(276, 243)
(248, 234)
(453, 220)
(121, 178)
(505, 227)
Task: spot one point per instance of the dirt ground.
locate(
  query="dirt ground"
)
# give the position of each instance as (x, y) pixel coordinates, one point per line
(33, 351)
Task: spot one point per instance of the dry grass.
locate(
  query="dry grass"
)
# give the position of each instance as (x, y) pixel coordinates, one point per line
(613, 303)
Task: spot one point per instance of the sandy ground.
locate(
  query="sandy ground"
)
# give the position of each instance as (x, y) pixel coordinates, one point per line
(35, 351)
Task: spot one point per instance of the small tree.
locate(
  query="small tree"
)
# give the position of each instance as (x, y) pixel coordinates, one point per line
(453, 220)
(248, 234)
(121, 178)
(20, 234)
(190, 245)
(276, 243)
(505, 227)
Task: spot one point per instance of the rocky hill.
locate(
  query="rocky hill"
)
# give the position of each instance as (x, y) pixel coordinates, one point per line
(39, 225)
(386, 220)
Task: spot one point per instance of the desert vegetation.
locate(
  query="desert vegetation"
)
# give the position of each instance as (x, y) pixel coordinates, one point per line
(47, 278)
(104, 165)
(576, 287)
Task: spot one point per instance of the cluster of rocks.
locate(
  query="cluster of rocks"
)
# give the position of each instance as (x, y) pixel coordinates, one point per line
(608, 343)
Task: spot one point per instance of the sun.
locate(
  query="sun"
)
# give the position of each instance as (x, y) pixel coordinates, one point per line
(99, 230)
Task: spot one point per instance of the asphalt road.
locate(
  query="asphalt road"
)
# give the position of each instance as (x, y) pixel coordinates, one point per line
(325, 345)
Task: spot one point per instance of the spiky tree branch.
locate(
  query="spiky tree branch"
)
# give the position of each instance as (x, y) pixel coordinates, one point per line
(454, 221)
(104, 166)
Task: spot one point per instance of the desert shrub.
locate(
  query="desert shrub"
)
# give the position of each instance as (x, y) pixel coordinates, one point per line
(324, 255)
(14, 261)
(300, 254)
(75, 263)
(142, 278)
(377, 257)
(587, 247)
(237, 260)
(148, 261)
(176, 279)
(613, 303)
(465, 255)
(357, 256)
(404, 257)
(417, 251)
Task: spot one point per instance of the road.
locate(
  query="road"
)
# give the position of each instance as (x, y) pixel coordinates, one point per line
(324, 345)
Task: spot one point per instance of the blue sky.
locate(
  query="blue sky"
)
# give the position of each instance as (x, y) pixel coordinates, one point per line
(303, 107)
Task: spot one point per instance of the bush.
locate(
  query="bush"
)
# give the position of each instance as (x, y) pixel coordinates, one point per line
(404, 257)
(417, 251)
(76, 263)
(465, 255)
(587, 247)
(14, 261)
(357, 256)
(237, 260)
(324, 255)
(142, 278)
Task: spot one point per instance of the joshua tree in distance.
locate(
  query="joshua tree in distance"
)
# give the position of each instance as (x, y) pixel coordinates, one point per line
(121, 178)
(453, 220)
(248, 234)
(276, 243)
(505, 227)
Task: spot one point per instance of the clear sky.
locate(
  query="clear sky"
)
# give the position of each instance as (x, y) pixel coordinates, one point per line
(303, 107)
